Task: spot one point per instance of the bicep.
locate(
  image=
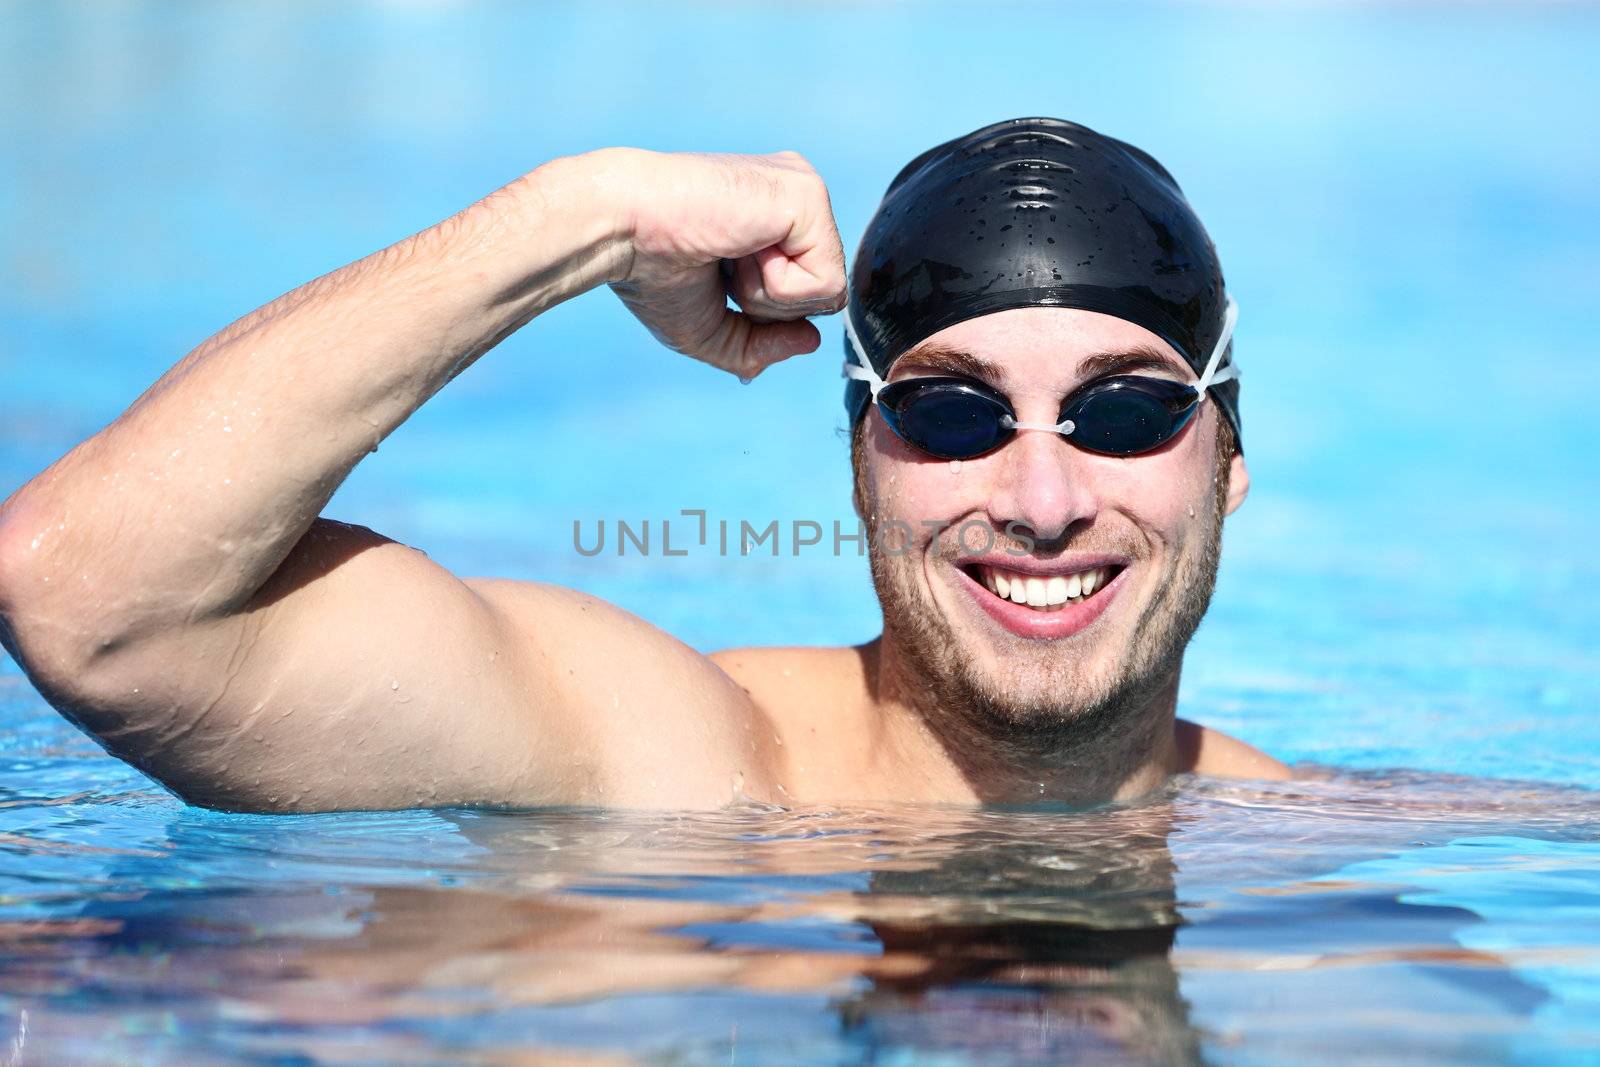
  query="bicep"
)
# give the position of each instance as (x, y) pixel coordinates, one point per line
(362, 675)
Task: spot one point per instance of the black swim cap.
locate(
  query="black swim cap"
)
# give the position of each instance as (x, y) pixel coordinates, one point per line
(1030, 213)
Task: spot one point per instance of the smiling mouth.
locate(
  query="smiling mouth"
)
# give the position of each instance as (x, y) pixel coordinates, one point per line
(1043, 593)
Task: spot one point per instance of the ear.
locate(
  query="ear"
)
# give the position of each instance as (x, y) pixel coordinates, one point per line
(1238, 482)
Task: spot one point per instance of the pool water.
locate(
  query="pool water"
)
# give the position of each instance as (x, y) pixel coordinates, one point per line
(1406, 202)
(1401, 917)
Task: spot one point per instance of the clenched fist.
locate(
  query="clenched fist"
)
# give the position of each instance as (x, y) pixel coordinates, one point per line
(703, 228)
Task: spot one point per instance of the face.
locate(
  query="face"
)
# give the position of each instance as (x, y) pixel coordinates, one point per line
(1136, 538)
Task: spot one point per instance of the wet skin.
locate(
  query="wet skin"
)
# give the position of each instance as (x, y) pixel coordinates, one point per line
(172, 587)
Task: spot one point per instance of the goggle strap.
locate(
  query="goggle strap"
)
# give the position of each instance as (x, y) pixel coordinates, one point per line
(861, 368)
(1213, 374)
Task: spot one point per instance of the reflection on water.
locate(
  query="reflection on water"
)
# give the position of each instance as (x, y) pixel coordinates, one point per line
(1413, 593)
(1218, 923)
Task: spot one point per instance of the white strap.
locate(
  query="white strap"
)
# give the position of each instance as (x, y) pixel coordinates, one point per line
(1212, 375)
(1065, 426)
(860, 368)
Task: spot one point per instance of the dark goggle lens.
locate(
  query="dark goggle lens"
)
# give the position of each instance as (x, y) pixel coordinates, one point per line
(1128, 415)
(946, 418)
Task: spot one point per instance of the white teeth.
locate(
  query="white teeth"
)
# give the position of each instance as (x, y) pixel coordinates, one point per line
(1044, 593)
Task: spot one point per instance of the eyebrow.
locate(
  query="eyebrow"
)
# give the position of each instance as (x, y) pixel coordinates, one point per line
(1139, 357)
(951, 361)
(957, 361)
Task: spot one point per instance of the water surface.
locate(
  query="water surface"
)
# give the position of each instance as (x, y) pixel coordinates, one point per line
(1406, 201)
(1402, 917)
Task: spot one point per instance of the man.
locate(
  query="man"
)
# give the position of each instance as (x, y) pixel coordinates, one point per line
(170, 587)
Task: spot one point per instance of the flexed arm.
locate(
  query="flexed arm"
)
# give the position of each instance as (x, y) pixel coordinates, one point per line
(168, 583)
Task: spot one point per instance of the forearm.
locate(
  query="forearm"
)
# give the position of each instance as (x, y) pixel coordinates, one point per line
(181, 509)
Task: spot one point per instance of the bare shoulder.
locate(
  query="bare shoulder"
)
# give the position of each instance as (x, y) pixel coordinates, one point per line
(814, 699)
(664, 723)
(795, 677)
(1202, 750)
(797, 664)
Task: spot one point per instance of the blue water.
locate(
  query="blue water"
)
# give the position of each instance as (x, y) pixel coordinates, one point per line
(1406, 201)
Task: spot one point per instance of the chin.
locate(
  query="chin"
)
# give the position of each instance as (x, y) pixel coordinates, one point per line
(992, 673)
(1023, 681)
(1053, 663)
(1085, 660)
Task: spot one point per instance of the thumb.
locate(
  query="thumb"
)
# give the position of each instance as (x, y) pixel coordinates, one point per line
(746, 347)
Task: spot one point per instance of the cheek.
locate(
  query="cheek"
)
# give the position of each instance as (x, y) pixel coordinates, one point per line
(902, 484)
(1166, 495)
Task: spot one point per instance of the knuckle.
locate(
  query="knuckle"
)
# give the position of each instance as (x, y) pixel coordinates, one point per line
(800, 170)
(800, 291)
(813, 186)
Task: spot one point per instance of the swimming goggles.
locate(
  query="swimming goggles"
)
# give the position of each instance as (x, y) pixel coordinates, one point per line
(962, 418)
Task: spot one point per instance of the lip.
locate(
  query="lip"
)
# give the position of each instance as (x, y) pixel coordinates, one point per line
(1045, 568)
(1045, 625)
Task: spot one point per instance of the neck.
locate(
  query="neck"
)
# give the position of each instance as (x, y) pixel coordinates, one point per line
(1117, 751)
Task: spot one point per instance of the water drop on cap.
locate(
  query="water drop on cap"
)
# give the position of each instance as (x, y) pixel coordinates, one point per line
(1145, 251)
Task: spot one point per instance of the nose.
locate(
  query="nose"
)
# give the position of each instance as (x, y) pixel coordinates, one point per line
(1042, 484)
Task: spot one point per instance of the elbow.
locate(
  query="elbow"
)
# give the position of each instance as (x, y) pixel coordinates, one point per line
(118, 689)
(24, 578)
(61, 636)
(8, 557)
(59, 669)
(10, 580)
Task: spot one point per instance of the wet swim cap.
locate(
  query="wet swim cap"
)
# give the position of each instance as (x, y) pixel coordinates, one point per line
(1030, 213)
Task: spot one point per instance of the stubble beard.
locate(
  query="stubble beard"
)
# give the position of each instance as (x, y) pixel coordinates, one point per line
(1046, 701)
